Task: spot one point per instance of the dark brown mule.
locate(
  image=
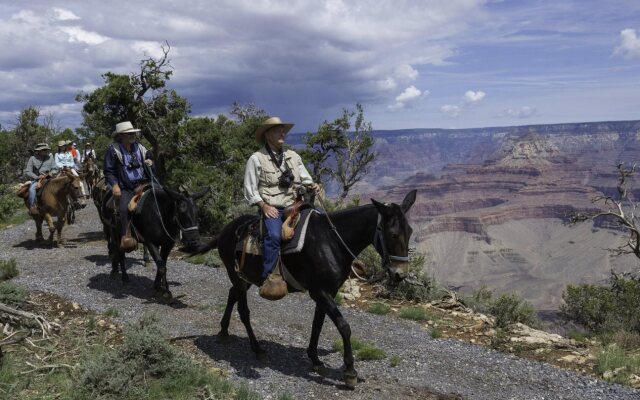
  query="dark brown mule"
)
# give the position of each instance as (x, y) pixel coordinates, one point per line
(322, 266)
(54, 201)
(91, 173)
(98, 192)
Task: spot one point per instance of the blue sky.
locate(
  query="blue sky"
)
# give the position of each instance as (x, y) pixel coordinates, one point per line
(412, 64)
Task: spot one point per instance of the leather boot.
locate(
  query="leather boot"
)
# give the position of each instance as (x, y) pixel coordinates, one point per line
(33, 210)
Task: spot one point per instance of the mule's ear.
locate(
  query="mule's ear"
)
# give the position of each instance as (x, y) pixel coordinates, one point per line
(382, 209)
(408, 201)
(201, 193)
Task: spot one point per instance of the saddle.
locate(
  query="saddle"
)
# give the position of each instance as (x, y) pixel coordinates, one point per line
(138, 198)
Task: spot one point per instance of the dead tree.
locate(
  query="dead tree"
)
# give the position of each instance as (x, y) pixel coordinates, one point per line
(622, 208)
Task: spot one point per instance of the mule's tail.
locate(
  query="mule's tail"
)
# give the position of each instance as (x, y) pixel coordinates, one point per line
(203, 248)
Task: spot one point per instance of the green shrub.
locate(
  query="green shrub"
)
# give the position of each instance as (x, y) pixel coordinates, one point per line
(12, 294)
(416, 313)
(8, 269)
(9, 202)
(394, 361)
(614, 357)
(379, 308)
(362, 350)
(111, 312)
(210, 259)
(436, 333)
(510, 308)
(146, 366)
(418, 286)
(480, 300)
(604, 308)
(626, 340)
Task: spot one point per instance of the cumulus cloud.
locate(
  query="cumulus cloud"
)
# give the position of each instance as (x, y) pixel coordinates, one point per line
(451, 110)
(469, 99)
(409, 96)
(629, 44)
(520, 113)
(473, 97)
(64, 15)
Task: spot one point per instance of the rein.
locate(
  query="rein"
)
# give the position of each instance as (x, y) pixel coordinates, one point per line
(378, 237)
(175, 216)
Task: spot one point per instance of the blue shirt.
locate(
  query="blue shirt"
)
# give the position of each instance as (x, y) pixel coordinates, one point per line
(118, 172)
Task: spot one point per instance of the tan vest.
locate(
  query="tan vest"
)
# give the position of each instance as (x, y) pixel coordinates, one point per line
(270, 174)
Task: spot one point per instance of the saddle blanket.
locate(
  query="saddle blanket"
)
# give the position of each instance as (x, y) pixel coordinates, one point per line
(295, 245)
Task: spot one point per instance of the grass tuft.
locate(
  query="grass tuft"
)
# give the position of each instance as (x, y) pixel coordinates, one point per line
(416, 313)
(363, 351)
(8, 269)
(379, 308)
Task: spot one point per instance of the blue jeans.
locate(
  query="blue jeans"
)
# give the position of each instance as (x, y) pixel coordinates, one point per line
(32, 194)
(271, 243)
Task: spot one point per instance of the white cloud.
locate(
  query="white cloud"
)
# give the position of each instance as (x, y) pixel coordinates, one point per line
(469, 99)
(405, 73)
(473, 97)
(629, 44)
(64, 15)
(521, 113)
(409, 96)
(77, 34)
(451, 110)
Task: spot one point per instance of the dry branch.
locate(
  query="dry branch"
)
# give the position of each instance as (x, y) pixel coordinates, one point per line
(46, 327)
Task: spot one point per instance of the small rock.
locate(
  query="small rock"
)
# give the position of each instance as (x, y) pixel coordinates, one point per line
(75, 306)
(102, 323)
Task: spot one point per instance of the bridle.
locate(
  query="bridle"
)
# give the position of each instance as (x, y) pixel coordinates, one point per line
(380, 245)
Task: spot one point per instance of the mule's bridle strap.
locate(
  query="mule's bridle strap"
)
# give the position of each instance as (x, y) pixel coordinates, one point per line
(378, 237)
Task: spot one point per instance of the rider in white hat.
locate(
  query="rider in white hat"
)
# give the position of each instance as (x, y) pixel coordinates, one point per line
(124, 169)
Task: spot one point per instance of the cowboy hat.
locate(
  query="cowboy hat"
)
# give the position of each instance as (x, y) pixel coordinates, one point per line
(62, 143)
(41, 146)
(270, 123)
(87, 144)
(124, 127)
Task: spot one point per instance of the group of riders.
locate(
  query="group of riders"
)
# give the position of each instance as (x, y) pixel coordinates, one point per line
(42, 165)
(273, 175)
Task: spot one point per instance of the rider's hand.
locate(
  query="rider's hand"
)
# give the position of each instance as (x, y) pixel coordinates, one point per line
(269, 211)
(116, 191)
(315, 187)
(148, 162)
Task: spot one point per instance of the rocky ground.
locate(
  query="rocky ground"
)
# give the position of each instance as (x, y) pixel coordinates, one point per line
(416, 366)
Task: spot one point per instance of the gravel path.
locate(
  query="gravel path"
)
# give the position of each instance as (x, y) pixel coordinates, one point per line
(80, 270)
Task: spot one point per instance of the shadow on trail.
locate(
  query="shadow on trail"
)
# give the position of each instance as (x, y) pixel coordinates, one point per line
(101, 260)
(31, 244)
(139, 287)
(288, 360)
(84, 237)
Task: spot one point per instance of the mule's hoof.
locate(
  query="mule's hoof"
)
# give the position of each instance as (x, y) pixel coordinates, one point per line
(113, 275)
(350, 382)
(350, 379)
(147, 264)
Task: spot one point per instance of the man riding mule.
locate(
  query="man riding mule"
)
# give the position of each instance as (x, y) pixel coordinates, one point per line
(39, 166)
(272, 177)
(322, 262)
(322, 265)
(124, 171)
(158, 216)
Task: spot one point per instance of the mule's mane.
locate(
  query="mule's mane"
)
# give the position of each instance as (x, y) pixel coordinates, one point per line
(349, 211)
